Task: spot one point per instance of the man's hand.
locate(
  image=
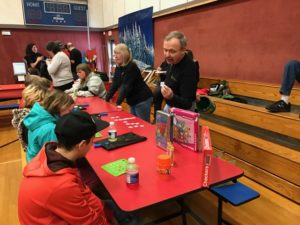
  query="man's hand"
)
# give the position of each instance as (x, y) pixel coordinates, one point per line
(167, 92)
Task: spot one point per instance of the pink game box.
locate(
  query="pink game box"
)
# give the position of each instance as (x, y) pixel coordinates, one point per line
(185, 128)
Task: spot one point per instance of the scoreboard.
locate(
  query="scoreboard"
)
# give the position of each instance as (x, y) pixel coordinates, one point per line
(49, 13)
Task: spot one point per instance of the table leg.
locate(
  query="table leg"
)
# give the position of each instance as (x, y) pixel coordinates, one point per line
(184, 209)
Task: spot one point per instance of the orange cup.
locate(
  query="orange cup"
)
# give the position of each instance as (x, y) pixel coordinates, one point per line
(163, 164)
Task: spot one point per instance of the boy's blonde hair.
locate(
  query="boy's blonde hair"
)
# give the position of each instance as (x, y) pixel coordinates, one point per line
(57, 101)
(32, 94)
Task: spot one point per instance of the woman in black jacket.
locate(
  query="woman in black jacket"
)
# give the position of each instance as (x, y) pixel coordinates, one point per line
(35, 60)
(129, 81)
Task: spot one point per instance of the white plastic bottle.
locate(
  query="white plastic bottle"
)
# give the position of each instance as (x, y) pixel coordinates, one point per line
(132, 172)
(75, 88)
(112, 132)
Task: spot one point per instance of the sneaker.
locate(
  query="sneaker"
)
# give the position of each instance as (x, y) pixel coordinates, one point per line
(279, 106)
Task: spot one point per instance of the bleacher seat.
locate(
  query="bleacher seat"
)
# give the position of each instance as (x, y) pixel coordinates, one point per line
(10, 106)
(235, 193)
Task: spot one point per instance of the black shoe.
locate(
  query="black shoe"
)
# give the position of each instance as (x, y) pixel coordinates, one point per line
(279, 106)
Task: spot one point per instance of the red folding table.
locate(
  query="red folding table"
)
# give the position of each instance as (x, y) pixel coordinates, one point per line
(186, 176)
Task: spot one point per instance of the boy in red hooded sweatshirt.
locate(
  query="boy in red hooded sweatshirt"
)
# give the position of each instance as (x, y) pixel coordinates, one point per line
(52, 191)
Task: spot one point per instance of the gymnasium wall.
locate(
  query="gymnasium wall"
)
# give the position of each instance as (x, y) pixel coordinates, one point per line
(240, 39)
(12, 48)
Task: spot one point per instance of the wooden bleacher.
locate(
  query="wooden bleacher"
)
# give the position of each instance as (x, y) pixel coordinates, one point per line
(265, 162)
(257, 90)
(272, 164)
(282, 123)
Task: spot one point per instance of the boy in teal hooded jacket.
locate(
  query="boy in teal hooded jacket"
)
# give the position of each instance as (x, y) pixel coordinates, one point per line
(41, 125)
(41, 120)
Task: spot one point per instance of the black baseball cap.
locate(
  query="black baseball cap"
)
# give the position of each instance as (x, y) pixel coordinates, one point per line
(74, 127)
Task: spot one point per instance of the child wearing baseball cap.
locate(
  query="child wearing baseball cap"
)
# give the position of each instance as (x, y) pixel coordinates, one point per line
(51, 191)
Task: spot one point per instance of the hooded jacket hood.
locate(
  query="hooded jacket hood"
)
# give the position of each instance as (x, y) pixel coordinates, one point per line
(41, 125)
(38, 117)
(39, 167)
(58, 196)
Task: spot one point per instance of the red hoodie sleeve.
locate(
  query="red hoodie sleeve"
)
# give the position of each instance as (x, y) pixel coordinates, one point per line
(76, 204)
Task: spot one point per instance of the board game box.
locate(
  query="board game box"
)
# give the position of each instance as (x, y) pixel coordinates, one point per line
(163, 129)
(185, 128)
(206, 148)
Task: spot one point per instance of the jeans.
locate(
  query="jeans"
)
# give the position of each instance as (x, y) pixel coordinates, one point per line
(291, 73)
(123, 218)
(142, 109)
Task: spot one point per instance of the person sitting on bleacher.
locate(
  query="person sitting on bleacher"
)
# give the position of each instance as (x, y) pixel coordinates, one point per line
(291, 73)
(89, 84)
(35, 61)
(33, 57)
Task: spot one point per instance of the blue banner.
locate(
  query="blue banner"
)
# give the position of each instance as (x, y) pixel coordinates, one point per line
(37, 12)
(136, 31)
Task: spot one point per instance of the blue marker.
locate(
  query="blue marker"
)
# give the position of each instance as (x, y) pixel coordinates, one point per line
(97, 145)
(83, 105)
(103, 114)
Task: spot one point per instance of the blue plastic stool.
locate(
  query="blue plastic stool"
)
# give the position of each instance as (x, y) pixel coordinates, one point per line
(10, 106)
(235, 193)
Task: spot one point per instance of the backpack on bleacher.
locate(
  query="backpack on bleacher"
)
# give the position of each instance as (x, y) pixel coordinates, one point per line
(219, 89)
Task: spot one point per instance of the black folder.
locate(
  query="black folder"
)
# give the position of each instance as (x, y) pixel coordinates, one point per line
(122, 140)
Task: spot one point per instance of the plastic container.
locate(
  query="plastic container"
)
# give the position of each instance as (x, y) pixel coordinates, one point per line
(164, 164)
(132, 172)
(112, 132)
(75, 92)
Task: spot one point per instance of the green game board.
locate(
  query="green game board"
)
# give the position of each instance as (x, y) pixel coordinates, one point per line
(116, 168)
